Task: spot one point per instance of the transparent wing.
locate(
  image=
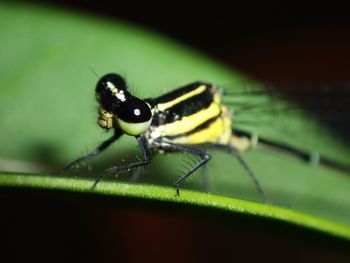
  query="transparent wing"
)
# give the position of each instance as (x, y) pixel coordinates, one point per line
(311, 117)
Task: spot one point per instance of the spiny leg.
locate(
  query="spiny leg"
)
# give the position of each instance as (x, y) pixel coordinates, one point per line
(203, 172)
(103, 146)
(181, 148)
(119, 169)
(246, 167)
(136, 174)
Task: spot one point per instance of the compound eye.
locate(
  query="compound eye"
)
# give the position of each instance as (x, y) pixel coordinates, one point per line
(134, 116)
(110, 81)
(111, 91)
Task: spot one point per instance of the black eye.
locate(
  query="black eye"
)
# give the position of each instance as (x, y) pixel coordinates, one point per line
(108, 80)
(134, 110)
(111, 92)
(134, 116)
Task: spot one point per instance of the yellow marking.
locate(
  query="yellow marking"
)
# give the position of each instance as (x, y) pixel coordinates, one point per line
(167, 105)
(105, 114)
(242, 143)
(219, 132)
(217, 96)
(209, 134)
(212, 133)
(106, 124)
(120, 96)
(227, 122)
(190, 122)
(111, 86)
(105, 119)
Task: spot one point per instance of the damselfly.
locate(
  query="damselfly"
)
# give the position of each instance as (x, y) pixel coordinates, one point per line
(190, 119)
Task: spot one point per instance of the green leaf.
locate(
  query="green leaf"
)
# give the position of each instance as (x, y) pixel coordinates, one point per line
(48, 117)
(158, 193)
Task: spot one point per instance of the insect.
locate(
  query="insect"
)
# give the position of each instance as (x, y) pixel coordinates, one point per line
(190, 119)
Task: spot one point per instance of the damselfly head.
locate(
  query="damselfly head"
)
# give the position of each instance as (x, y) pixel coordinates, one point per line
(111, 92)
(118, 108)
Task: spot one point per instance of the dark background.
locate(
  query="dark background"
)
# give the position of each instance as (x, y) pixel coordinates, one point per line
(269, 42)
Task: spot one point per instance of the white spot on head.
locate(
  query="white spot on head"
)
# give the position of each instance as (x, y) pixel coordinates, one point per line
(137, 112)
(121, 96)
(110, 85)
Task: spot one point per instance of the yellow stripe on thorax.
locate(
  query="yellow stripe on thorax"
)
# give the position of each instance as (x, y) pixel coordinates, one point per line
(190, 122)
(167, 105)
(218, 132)
(206, 135)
